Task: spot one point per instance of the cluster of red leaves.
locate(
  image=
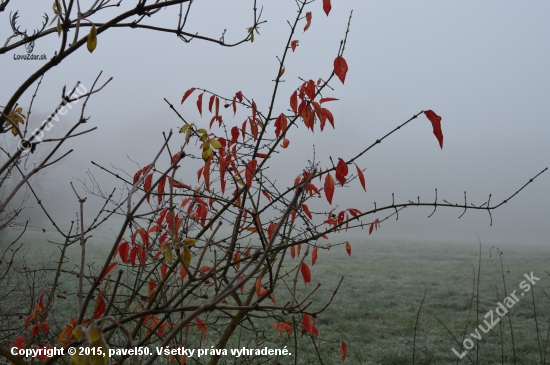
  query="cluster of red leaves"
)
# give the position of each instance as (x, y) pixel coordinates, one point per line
(309, 109)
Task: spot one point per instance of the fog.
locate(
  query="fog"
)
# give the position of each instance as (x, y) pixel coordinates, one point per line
(483, 67)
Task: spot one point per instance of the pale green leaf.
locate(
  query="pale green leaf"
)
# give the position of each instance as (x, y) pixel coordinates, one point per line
(92, 39)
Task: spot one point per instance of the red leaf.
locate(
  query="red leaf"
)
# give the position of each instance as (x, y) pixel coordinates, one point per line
(344, 351)
(45, 328)
(99, 307)
(314, 256)
(320, 114)
(41, 304)
(281, 73)
(201, 327)
(294, 101)
(326, 6)
(259, 286)
(436, 124)
(340, 68)
(348, 248)
(18, 342)
(142, 255)
(280, 124)
(250, 170)
(187, 93)
(340, 217)
(210, 102)
(239, 95)
(253, 128)
(162, 182)
(271, 229)
(293, 45)
(361, 178)
(237, 257)
(293, 216)
(266, 194)
(110, 268)
(341, 171)
(199, 103)
(217, 106)
(324, 100)
(329, 116)
(235, 134)
(306, 210)
(371, 228)
(144, 236)
(306, 323)
(310, 89)
(285, 143)
(147, 184)
(329, 188)
(35, 329)
(234, 103)
(133, 253)
(308, 20)
(123, 250)
(183, 273)
(308, 117)
(305, 273)
(138, 175)
(152, 287)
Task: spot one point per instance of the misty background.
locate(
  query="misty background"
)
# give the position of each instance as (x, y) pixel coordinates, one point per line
(483, 67)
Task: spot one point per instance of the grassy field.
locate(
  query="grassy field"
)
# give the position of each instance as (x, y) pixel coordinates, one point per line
(377, 305)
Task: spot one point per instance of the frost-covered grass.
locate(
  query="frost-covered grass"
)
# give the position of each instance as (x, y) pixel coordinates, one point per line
(375, 310)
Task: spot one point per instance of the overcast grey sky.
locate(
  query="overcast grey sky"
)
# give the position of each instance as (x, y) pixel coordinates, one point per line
(481, 66)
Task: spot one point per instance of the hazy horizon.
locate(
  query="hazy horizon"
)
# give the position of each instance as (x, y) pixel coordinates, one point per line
(483, 67)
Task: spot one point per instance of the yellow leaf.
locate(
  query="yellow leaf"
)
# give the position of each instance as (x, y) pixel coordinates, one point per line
(92, 39)
(206, 154)
(77, 333)
(168, 255)
(188, 135)
(202, 130)
(184, 128)
(215, 143)
(189, 241)
(78, 359)
(187, 256)
(206, 146)
(95, 333)
(204, 137)
(101, 354)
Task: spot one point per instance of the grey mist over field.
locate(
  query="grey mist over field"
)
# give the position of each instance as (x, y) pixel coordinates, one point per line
(483, 67)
